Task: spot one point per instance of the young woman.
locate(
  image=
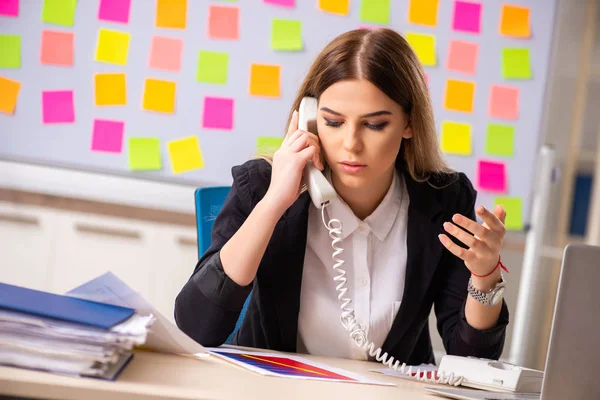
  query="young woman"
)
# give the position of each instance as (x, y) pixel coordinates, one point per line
(409, 235)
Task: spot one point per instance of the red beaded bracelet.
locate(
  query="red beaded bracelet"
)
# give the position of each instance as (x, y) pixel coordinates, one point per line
(495, 268)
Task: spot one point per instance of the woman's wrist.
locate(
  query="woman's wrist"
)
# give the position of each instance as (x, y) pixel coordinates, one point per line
(486, 283)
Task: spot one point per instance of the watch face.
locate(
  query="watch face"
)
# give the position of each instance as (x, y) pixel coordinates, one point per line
(497, 296)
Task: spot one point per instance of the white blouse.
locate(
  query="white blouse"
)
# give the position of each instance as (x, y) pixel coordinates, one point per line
(375, 265)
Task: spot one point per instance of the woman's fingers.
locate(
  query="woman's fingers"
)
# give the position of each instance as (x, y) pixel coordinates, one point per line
(293, 127)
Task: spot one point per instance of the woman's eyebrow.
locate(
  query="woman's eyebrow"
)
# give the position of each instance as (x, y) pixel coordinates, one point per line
(373, 114)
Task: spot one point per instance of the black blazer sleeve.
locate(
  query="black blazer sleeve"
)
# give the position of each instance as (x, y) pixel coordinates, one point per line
(210, 303)
(458, 336)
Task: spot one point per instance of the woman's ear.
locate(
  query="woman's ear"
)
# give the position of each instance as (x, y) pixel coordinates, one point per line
(408, 133)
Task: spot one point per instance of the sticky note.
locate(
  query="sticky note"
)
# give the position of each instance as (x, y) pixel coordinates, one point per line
(462, 57)
(283, 3)
(144, 154)
(9, 93)
(59, 12)
(341, 7)
(223, 22)
(456, 138)
(514, 21)
(57, 106)
(423, 12)
(171, 14)
(9, 8)
(218, 113)
(265, 80)
(110, 89)
(185, 154)
(514, 212)
(159, 96)
(516, 63)
(10, 51)
(459, 95)
(267, 146)
(500, 140)
(423, 46)
(112, 46)
(504, 102)
(212, 67)
(467, 17)
(286, 34)
(491, 176)
(57, 48)
(107, 136)
(165, 53)
(375, 11)
(114, 10)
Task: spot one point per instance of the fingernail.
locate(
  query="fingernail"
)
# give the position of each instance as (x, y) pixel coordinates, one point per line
(480, 209)
(447, 226)
(442, 238)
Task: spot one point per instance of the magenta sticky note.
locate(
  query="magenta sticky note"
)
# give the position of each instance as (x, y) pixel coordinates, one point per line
(114, 10)
(57, 106)
(218, 113)
(9, 8)
(491, 176)
(107, 136)
(467, 17)
(283, 3)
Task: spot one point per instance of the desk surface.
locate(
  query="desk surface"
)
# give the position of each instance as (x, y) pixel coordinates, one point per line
(153, 376)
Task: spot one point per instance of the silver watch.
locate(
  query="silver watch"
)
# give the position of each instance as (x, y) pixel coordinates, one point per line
(490, 298)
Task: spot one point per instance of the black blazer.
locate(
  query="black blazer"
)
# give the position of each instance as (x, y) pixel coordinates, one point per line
(209, 304)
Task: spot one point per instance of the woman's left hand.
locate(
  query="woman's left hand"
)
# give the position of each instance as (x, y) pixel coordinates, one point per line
(483, 251)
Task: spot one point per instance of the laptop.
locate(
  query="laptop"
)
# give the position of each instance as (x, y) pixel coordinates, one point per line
(573, 359)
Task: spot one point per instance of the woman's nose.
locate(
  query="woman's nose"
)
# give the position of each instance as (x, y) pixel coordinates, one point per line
(352, 139)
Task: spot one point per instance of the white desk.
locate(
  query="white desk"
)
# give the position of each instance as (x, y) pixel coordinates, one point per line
(154, 376)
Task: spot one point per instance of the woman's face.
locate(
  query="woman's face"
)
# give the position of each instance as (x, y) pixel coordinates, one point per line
(361, 130)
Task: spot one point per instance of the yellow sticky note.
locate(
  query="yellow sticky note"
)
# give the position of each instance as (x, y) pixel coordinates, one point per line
(112, 46)
(423, 12)
(459, 95)
(514, 21)
(456, 138)
(265, 80)
(9, 93)
(171, 14)
(185, 154)
(110, 89)
(159, 96)
(424, 47)
(341, 7)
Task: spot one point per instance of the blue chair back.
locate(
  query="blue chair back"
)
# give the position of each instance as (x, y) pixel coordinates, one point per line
(209, 201)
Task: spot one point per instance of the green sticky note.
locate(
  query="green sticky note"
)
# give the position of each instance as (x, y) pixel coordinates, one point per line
(286, 34)
(377, 11)
(59, 12)
(144, 154)
(500, 140)
(10, 51)
(267, 146)
(514, 212)
(212, 67)
(516, 63)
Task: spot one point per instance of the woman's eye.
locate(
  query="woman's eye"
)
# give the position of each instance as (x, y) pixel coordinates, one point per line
(377, 127)
(335, 124)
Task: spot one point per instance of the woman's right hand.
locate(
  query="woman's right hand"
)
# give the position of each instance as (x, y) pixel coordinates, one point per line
(288, 164)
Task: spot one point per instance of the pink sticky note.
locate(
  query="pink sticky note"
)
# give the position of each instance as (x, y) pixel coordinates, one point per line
(467, 17)
(504, 102)
(9, 8)
(218, 113)
(462, 57)
(491, 176)
(57, 48)
(165, 53)
(114, 10)
(107, 136)
(57, 106)
(223, 22)
(283, 3)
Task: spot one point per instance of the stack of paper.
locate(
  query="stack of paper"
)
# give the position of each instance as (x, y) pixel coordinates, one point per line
(67, 335)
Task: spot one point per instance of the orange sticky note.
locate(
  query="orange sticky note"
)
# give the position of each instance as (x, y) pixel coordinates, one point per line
(423, 12)
(57, 48)
(185, 154)
(341, 7)
(459, 95)
(159, 96)
(224, 22)
(514, 21)
(171, 14)
(9, 92)
(265, 80)
(110, 89)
